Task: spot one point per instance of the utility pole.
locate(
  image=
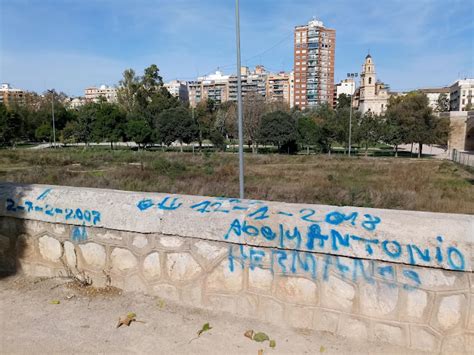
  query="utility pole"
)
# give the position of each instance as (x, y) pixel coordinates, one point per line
(239, 103)
(350, 125)
(52, 114)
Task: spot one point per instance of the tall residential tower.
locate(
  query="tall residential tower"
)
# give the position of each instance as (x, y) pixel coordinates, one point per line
(313, 64)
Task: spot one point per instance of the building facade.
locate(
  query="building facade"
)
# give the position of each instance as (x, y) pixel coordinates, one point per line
(433, 95)
(214, 86)
(178, 89)
(10, 96)
(278, 87)
(314, 49)
(372, 95)
(461, 95)
(93, 94)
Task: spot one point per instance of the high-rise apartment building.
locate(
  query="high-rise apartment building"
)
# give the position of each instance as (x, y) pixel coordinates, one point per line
(314, 48)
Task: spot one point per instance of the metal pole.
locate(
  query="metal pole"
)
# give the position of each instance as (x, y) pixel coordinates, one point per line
(350, 126)
(239, 103)
(54, 127)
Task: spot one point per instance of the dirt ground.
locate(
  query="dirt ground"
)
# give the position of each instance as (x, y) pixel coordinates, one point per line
(45, 316)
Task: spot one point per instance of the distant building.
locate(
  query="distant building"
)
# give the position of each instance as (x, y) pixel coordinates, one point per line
(178, 89)
(213, 86)
(433, 95)
(314, 48)
(291, 79)
(460, 98)
(10, 96)
(346, 87)
(372, 94)
(75, 102)
(93, 94)
(252, 81)
(278, 87)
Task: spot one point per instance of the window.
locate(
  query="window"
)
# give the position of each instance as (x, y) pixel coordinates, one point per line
(370, 80)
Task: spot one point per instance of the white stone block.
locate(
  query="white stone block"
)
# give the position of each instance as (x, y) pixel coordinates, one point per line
(171, 242)
(208, 251)
(417, 300)
(123, 259)
(93, 254)
(152, 266)
(140, 242)
(378, 299)
(338, 294)
(450, 308)
(297, 290)
(50, 248)
(223, 279)
(70, 254)
(182, 266)
(261, 279)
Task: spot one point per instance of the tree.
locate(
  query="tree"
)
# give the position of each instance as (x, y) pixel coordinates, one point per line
(127, 91)
(176, 124)
(442, 104)
(109, 124)
(344, 101)
(416, 120)
(368, 130)
(139, 131)
(205, 114)
(280, 129)
(9, 126)
(253, 109)
(309, 133)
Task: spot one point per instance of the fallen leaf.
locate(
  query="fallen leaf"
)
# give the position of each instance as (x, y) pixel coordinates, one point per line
(260, 337)
(55, 302)
(322, 349)
(161, 303)
(260, 352)
(273, 343)
(127, 320)
(249, 334)
(204, 328)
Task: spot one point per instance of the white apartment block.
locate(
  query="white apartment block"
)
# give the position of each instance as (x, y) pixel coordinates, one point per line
(433, 95)
(346, 86)
(178, 89)
(93, 94)
(461, 95)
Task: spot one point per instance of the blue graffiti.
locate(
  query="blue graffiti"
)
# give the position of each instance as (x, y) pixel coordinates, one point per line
(78, 214)
(43, 194)
(314, 239)
(79, 234)
(287, 262)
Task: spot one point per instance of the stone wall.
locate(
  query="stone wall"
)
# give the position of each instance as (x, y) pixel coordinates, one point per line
(400, 277)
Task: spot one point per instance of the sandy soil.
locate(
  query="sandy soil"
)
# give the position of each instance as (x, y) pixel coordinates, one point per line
(32, 321)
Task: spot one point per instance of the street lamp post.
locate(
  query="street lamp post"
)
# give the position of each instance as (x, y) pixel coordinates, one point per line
(351, 75)
(239, 103)
(52, 114)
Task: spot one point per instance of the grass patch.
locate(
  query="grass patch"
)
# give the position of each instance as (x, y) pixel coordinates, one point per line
(411, 184)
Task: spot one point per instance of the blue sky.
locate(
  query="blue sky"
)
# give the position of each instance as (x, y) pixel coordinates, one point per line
(72, 44)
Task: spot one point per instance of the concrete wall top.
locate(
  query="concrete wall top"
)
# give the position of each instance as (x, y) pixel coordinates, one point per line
(437, 240)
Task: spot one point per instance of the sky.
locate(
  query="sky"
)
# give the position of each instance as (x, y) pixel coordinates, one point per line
(73, 44)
